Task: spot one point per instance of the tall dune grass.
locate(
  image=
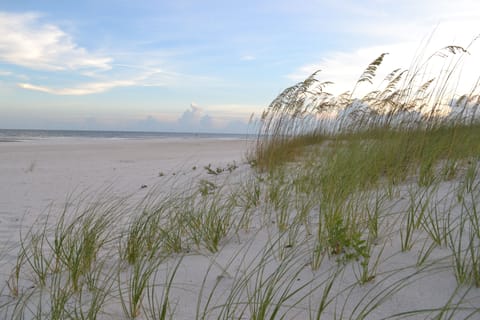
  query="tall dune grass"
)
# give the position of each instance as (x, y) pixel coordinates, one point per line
(416, 102)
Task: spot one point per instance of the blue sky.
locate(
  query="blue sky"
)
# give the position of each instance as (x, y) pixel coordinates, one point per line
(198, 65)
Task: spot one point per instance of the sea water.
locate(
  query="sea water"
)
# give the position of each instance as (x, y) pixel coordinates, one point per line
(10, 135)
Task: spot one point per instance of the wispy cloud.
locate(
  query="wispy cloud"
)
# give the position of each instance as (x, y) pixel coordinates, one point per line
(28, 42)
(140, 77)
(88, 88)
(101, 85)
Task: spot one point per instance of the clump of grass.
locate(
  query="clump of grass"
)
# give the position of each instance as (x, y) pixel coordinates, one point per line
(208, 220)
(464, 237)
(160, 308)
(35, 255)
(144, 236)
(248, 198)
(77, 243)
(206, 187)
(14, 278)
(138, 278)
(90, 303)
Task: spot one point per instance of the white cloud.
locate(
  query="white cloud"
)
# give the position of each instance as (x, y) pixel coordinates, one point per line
(28, 42)
(150, 78)
(88, 88)
(415, 30)
(123, 76)
(192, 116)
(344, 68)
(218, 118)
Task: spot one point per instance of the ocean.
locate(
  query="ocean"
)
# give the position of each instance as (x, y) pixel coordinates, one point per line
(11, 135)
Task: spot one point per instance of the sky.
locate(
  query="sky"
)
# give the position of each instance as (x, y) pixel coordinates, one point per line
(202, 66)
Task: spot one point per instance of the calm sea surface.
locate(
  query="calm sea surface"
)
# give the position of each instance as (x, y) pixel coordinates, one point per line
(8, 135)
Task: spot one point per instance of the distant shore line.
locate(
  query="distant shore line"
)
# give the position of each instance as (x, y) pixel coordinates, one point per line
(17, 135)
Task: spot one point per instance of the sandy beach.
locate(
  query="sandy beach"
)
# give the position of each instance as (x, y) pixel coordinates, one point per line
(39, 177)
(36, 174)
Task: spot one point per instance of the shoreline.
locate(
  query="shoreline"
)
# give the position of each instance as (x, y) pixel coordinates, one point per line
(26, 134)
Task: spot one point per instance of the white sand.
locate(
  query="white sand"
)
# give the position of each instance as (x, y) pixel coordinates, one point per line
(35, 174)
(38, 173)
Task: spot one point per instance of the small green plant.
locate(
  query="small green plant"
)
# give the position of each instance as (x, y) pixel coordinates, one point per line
(436, 222)
(137, 284)
(59, 297)
(367, 266)
(249, 193)
(470, 176)
(206, 187)
(14, 278)
(137, 238)
(416, 211)
(373, 215)
(407, 231)
(319, 248)
(208, 220)
(425, 252)
(34, 250)
(78, 244)
(212, 171)
(460, 253)
(343, 239)
(159, 308)
(450, 169)
(426, 175)
(231, 167)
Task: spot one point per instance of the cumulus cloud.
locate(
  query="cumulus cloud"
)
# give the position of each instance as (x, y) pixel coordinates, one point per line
(28, 42)
(191, 117)
(198, 119)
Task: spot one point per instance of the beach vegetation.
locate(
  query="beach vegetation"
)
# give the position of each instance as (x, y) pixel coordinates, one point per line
(343, 204)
